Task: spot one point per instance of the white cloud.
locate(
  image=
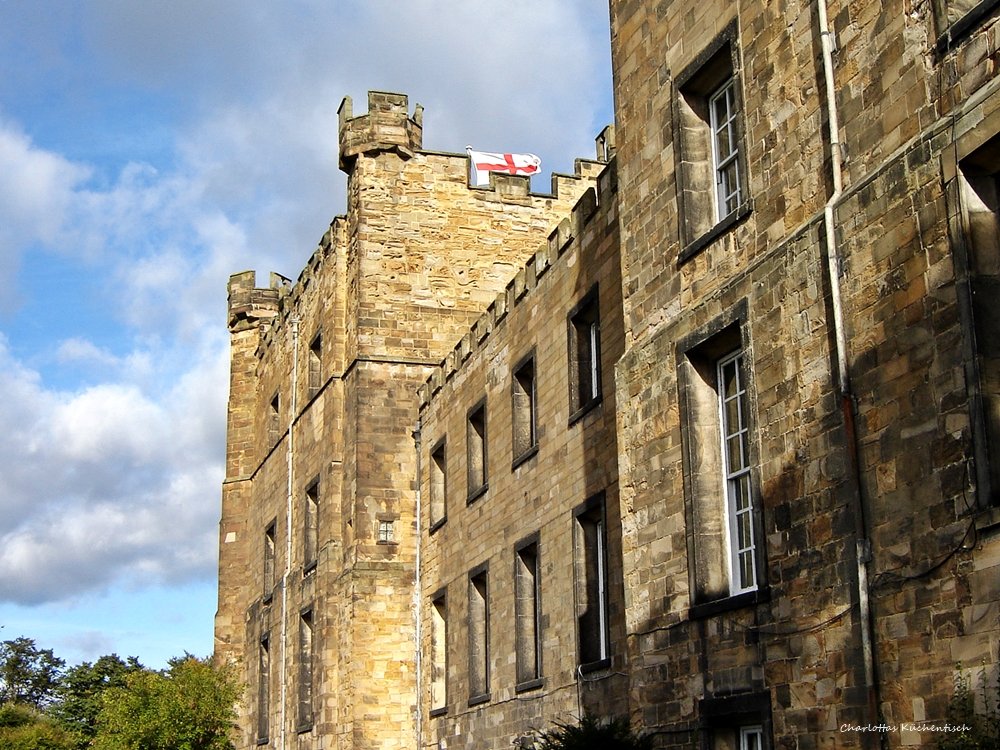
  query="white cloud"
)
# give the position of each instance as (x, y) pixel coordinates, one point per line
(108, 484)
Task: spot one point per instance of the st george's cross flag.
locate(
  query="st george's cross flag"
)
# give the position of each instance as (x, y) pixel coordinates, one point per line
(484, 162)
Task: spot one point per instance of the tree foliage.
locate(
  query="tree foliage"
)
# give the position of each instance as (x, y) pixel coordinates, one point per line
(25, 728)
(28, 675)
(189, 706)
(80, 693)
(592, 733)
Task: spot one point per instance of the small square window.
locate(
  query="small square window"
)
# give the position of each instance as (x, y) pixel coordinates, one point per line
(386, 532)
(585, 355)
(523, 411)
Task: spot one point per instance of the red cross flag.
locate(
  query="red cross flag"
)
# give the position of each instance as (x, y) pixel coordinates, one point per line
(484, 162)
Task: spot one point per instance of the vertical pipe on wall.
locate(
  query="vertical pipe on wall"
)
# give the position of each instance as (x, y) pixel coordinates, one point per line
(290, 454)
(417, 598)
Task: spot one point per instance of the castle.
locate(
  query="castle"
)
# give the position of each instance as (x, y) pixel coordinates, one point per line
(707, 436)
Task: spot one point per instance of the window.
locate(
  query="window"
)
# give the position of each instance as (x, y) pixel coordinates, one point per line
(263, 689)
(711, 163)
(956, 19)
(476, 446)
(479, 631)
(527, 615)
(310, 524)
(438, 485)
(741, 721)
(439, 654)
(736, 473)
(977, 271)
(273, 420)
(591, 575)
(315, 365)
(386, 532)
(269, 560)
(523, 416)
(722, 510)
(306, 666)
(584, 356)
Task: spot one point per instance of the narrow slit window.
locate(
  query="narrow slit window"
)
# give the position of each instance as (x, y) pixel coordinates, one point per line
(591, 573)
(310, 531)
(274, 419)
(315, 365)
(585, 356)
(527, 614)
(306, 667)
(263, 689)
(439, 653)
(479, 656)
(476, 439)
(438, 485)
(269, 560)
(523, 412)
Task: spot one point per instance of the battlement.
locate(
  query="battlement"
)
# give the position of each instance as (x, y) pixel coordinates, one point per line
(561, 238)
(386, 127)
(250, 306)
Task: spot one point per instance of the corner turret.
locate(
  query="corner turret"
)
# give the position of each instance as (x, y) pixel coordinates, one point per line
(387, 127)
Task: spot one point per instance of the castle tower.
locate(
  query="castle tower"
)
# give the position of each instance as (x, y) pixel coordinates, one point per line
(317, 605)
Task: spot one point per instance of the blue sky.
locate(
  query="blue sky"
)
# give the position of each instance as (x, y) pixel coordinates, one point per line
(147, 151)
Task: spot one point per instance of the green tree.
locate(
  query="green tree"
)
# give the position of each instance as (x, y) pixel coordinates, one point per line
(189, 706)
(28, 674)
(592, 733)
(81, 691)
(25, 728)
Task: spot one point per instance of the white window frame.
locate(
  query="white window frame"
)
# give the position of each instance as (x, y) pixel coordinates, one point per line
(752, 738)
(739, 505)
(727, 196)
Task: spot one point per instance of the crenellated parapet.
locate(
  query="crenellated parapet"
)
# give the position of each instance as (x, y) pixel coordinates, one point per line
(571, 229)
(387, 126)
(250, 306)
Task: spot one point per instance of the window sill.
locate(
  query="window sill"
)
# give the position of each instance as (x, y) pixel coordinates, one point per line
(728, 604)
(437, 525)
(267, 598)
(524, 687)
(435, 712)
(304, 728)
(584, 410)
(696, 246)
(262, 741)
(529, 453)
(964, 26)
(478, 700)
(594, 666)
(309, 569)
(477, 493)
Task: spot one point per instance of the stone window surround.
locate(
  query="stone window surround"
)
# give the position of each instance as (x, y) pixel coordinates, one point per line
(694, 147)
(954, 31)
(270, 572)
(528, 642)
(524, 409)
(590, 576)
(704, 504)
(478, 629)
(439, 653)
(477, 451)
(264, 688)
(584, 319)
(310, 526)
(306, 671)
(438, 485)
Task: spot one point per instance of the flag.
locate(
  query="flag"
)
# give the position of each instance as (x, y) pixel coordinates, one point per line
(484, 162)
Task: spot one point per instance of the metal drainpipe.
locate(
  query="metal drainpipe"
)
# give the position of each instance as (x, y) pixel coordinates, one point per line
(863, 551)
(418, 599)
(288, 531)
